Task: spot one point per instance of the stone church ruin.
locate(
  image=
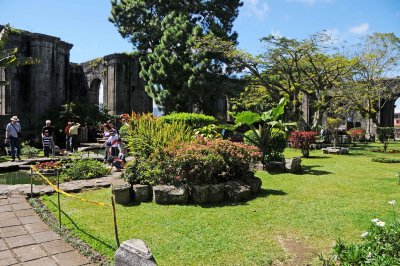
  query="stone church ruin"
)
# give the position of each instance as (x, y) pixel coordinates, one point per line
(35, 90)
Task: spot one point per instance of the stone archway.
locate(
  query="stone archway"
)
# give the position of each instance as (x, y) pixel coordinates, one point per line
(96, 92)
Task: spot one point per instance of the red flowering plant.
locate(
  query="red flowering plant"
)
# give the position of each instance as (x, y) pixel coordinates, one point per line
(356, 134)
(302, 140)
(48, 165)
(211, 162)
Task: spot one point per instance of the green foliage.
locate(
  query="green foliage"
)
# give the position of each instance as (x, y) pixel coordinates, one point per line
(208, 132)
(192, 120)
(175, 76)
(85, 169)
(29, 151)
(276, 146)
(196, 163)
(150, 134)
(254, 98)
(333, 125)
(82, 112)
(384, 135)
(269, 126)
(381, 246)
(386, 160)
(8, 57)
(124, 131)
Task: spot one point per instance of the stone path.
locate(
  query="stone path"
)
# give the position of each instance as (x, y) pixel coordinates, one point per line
(27, 240)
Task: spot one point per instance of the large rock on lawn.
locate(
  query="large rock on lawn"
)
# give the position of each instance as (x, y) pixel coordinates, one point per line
(134, 252)
(141, 193)
(163, 194)
(207, 194)
(237, 191)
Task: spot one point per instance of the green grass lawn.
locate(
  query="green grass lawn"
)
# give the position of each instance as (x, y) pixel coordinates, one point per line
(335, 196)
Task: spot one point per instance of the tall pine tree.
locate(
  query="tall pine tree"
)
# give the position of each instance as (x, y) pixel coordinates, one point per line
(177, 76)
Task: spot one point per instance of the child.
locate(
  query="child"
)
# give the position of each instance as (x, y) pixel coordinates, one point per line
(46, 141)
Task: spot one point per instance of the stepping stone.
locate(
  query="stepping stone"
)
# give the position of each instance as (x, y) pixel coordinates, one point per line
(12, 231)
(19, 241)
(29, 252)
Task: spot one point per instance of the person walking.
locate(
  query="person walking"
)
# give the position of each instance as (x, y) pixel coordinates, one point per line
(13, 134)
(73, 131)
(46, 141)
(51, 134)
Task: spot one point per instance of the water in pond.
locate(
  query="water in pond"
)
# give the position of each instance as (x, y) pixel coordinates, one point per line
(21, 177)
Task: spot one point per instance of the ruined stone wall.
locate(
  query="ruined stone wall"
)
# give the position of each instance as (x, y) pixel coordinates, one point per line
(37, 89)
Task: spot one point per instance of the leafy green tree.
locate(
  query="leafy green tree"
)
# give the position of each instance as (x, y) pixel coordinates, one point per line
(163, 32)
(8, 57)
(373, 83)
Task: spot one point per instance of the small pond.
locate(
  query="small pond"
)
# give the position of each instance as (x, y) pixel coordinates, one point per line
(22, 177)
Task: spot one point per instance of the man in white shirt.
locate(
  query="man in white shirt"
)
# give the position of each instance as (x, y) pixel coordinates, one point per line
(13, 132)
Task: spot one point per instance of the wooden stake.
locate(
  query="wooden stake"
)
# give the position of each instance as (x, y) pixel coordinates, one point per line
(115, 221)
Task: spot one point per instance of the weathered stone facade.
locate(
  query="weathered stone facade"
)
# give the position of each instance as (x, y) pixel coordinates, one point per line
(37, 89)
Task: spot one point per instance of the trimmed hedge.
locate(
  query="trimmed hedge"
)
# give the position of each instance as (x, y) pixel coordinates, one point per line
(193, 120)
(386, 160)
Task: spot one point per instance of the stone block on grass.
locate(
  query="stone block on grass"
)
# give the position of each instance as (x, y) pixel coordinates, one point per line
(207, 194)
(164, 194)
(236, 191)
(141, 193)
(134, 252)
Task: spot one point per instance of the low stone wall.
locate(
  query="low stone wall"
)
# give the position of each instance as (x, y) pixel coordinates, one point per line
(232, 191)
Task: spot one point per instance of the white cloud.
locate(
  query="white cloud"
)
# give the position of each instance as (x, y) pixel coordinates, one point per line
(309, 2)
(359, 29)
(257, 8)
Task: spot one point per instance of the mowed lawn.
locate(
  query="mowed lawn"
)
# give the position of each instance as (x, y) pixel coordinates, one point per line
(335, 196)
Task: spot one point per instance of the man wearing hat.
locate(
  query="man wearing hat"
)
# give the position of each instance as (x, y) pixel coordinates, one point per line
(13, 132)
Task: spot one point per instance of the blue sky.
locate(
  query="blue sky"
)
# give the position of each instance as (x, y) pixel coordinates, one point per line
(84, 23)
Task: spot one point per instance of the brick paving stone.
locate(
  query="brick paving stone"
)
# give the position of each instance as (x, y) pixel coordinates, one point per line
(9, 222)
(7, 258)
(46, 261)
(5, 208)
(6, 215)
(17, 200)
(45, 236)
(3, 245)
(22, 213)
(13, 231)
(72, 258)
(21, 206)
(19, 241)
(31, 252)
(29, 219)
(57, 246)
(37, 227)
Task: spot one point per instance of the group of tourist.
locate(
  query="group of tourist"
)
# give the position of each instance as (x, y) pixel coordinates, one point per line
(115, 149)
(114, 152)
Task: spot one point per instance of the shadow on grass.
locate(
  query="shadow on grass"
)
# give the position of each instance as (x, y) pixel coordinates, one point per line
(309, 170)
(84, 232)
(262, 194)
(317, 157)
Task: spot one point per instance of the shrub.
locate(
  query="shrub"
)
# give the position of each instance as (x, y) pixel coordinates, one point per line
(124, 131)
(192, 120)
(208, 132)
(29, 151)
(386, 160)
(198, 162)
(150, 134)
(302, 140)
(276, 145)
(85, 169)
(381, 246)
(384, 134)
(356, 134)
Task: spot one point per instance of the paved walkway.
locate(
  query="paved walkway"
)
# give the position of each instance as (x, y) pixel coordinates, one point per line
(27, 240)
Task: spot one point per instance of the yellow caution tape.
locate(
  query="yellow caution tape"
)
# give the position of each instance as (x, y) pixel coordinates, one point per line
(66, 193)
